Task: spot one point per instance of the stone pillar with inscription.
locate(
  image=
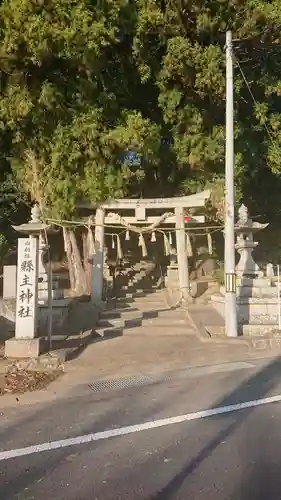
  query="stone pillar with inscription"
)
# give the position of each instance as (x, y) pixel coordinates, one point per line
(26, 344)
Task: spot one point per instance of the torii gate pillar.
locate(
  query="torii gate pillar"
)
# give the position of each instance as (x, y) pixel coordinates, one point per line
(97, 274)
(182, 254)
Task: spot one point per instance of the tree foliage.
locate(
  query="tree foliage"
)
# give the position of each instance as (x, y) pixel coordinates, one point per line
(187, 63)
(84, 81)
(66, 102)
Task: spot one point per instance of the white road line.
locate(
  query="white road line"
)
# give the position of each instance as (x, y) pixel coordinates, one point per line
(122, 431)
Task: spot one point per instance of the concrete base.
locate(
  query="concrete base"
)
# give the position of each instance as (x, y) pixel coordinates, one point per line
(24, 348)
(258, 330)
(257, 313)
(60, 312)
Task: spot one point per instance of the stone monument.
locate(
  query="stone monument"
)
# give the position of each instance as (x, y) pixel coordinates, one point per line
(30, 271)
(26, 344)
(52, 306)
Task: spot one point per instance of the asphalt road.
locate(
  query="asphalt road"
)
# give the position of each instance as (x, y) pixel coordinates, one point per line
(235, 454)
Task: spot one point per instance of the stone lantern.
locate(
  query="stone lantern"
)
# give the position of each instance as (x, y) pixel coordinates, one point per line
(256, 294)
(245, 228)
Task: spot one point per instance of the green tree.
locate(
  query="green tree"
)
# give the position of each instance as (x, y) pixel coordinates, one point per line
(84, 81)
(179, 44)
(67, 101)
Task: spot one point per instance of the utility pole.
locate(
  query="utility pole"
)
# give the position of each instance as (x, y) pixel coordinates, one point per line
(229, 238)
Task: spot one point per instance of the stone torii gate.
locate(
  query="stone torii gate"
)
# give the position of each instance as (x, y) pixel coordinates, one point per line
(108, 213)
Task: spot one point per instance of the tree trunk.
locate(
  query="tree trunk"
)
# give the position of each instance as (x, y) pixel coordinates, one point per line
(68, 251)
(79, 272)
(77, 275)
(88, 265)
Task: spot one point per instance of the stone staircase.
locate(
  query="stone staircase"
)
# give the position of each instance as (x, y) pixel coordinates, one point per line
(142, 275)
(141, 312)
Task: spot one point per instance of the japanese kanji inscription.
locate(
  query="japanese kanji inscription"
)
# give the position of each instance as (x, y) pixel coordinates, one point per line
(27, 284)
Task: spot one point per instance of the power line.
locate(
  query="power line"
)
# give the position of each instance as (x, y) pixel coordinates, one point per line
(254, 100)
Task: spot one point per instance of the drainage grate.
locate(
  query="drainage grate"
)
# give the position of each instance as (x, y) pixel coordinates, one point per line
(143, 380)
(124, 383)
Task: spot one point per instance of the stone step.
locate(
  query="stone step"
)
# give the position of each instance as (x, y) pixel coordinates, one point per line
(256, 292)
(166, 321)
(129, 303)
(136, 293)
(257, 330)
(120, 302)
(116, 305)
(266, 343)
(160, 331)
(130, 294)
(257, 301)
(126, 294)
(152, 305)
(109, 333)
(142, 331)
(118, 312)
(244, 330)
(137, 313)
(137, 306)
(261, 320)
(148, 311)
(140, 321)
(139, 288)
(153, 297)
